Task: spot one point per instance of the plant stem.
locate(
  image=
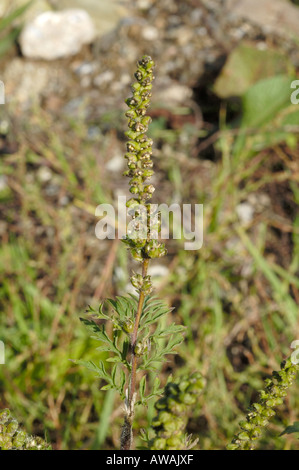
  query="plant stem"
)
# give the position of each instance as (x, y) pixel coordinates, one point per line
(126, 438)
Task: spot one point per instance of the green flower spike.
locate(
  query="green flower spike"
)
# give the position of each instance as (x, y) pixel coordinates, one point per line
(260, 413)
(172, 413)
(13, 438)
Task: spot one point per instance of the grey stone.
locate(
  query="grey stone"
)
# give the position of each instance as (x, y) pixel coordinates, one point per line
(277, 15)
(54, 35)
(105, 14)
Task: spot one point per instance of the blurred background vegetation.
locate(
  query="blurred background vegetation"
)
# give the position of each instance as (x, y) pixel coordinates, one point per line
(226, 136)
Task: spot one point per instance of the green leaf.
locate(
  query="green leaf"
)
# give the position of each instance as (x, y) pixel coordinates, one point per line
(113, 374)
(142, 386)
(9, 19)
(248, 65)
(99, 314)
(124, 306)
(101, 335)
(122, 381)
(153, 309)
(264, 100)
(291, 429)
(169, 330)
(7, 42)
(98, 370)
(107, 387)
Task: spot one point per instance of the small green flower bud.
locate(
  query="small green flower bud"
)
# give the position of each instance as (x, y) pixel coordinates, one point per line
(142, 347)
(244, 436)
(131, 203)
(5, 415)
(176, 407)
(134, 190)
(139, 75)
(258, 407)
(131, 113)
(159, 444)
(139, 127)
(172, 389)
(19, 439)
(132, 146)
(174, 443)
(136, 86)
(271, 403)
(245, 425)
(137, 254)
(131, 134)
(174, 425)
(165, 417)
(134, 101)
(12, 427)
(232, 447)
(187, 398)
(147, 144)
(5, 442)
(149, 189)
(256, 433)
(128, 326)
(146, 120)
(154, 249)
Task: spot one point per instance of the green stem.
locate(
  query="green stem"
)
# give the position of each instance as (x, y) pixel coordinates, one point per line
(127, 434)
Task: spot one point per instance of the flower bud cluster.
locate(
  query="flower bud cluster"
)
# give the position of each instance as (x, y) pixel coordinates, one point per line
(261, 412)
(172, 412)
(13, 438)
(142, 284)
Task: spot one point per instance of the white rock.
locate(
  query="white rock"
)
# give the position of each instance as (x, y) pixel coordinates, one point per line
(54, 35)
(150, 33)
(44, 174)
(245, 212)
(116, 163)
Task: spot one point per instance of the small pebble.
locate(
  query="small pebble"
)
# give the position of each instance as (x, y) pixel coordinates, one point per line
(245, 212)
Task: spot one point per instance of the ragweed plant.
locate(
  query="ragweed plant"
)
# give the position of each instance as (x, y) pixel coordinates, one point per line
(138, 342)
(261, 412)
